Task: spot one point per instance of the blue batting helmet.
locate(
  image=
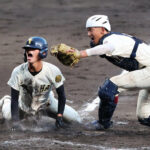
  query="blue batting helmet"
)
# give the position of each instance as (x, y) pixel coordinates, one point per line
(37, 43)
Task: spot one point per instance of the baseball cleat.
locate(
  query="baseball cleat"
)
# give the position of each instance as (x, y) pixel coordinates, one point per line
(95, 125)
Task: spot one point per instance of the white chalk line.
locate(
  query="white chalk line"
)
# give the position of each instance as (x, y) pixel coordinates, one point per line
(47, 142)
(89, 107)
(85, 109)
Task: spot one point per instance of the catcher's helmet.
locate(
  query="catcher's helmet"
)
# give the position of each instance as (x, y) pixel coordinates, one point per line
(37, 43)
(98, 21)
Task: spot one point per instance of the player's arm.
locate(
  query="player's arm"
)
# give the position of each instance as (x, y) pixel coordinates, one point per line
(14, 104)
(61, 99)
(61, 105)
(97, 50)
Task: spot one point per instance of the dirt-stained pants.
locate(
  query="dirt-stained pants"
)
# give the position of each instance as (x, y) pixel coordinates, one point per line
(69, 115)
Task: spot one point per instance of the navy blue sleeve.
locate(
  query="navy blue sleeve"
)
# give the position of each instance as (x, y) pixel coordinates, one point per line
(14, 104)
(61, 99)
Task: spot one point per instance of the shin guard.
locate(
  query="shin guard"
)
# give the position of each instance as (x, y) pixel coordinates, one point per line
(108, 102)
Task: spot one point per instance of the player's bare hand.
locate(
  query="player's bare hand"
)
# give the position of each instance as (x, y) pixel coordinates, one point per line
(75, 52)
(71, 50)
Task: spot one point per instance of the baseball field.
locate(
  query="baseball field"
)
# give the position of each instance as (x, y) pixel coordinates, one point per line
(63, 21)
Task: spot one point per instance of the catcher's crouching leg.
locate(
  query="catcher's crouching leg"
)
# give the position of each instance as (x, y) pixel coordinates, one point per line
(69, 115)
(108, 103)
(143, 108)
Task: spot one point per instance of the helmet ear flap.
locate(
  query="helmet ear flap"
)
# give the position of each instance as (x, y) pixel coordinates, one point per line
(25, 57)
(43, 53)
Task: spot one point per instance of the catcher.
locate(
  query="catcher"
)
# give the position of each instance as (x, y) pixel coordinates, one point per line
(126, 52)
(31, 87)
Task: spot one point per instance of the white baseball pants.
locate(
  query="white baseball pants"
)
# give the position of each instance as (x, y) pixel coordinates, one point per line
(69, 115)
(139, 80)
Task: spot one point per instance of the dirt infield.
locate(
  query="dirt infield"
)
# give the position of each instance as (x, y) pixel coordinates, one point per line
(63, 21)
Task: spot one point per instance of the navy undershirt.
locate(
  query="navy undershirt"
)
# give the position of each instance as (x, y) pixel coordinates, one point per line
(34, 73)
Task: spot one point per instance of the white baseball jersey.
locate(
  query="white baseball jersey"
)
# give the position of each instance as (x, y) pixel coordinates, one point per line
(120, 45)
(34, 90)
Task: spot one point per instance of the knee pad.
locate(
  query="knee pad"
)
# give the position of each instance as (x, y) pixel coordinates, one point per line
(108, 91)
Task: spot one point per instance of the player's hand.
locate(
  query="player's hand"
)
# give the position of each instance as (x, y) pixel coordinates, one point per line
(70, 50)
(59, 122)
(75, 52)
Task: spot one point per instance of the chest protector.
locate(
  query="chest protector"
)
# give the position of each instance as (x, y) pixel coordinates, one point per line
(129, 64)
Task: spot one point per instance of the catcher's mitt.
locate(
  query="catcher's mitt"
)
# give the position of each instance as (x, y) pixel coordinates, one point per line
(68, 58)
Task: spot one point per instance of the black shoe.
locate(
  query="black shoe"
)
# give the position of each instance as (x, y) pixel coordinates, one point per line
(145, 121)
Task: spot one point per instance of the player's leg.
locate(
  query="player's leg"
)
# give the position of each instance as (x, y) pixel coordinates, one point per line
(108, 94)
(109, 98)
(129, 80)
(69, 114)
(143, 107)
(5, 103)
(139, 79)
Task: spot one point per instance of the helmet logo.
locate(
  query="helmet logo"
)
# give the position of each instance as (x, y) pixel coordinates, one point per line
(30, 40)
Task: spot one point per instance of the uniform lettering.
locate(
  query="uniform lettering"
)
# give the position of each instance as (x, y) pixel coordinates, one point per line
(44, 88)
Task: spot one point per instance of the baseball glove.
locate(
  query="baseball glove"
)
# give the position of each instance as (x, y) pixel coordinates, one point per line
(66, 57)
